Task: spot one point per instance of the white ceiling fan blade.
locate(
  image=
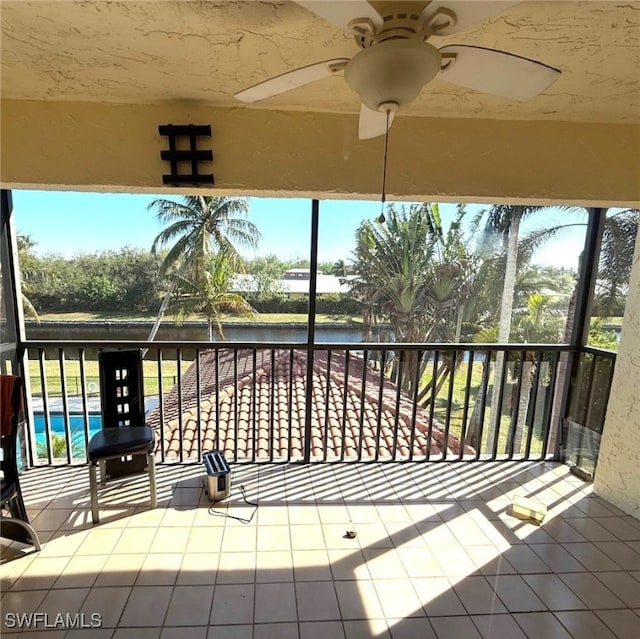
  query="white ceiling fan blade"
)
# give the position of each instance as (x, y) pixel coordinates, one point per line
(290, 80)
(497, 72)
(342, 12)
(468, 12)
(373, 123)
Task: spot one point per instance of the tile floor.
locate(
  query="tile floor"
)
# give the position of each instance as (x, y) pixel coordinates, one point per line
(437, 554)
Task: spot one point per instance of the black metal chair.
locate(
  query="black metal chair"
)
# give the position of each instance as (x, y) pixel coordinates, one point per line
(15, 527)
(125, 445)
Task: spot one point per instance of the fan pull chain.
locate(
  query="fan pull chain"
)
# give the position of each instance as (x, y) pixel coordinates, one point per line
(381, 218)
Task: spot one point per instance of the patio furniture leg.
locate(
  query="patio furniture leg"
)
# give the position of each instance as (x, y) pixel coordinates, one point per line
(33, 534)
(93, 489)
(19, 530)
(151, 466)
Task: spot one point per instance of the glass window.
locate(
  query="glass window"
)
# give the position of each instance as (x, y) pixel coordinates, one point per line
(612, 284)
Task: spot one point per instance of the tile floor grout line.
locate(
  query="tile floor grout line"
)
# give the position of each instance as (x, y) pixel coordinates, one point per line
(524, 541)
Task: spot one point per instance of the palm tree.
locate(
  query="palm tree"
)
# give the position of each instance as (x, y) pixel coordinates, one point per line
(539, 322)
(340, 269)
(616, 259)
(30, 270)
(503, 224)
(414, 276)
(391, 261)
(59, 447)
(199, 227)
(210, 296)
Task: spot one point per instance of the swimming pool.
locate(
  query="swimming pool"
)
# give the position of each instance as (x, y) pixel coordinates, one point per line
(76, 426)
(76, 422)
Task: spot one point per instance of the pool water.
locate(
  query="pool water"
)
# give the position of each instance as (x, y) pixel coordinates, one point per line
(76, 426)
(76, 422)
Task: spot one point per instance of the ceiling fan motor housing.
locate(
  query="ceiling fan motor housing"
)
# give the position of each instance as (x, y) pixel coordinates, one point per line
(393, 71)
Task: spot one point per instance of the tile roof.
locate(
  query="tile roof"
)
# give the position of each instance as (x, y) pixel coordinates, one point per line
(265, 411)
(216, 370)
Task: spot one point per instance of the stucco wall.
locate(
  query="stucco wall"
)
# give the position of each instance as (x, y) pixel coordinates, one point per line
(107, 147)
(618, 472)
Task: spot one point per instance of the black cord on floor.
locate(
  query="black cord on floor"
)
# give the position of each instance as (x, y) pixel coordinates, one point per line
(244, 520)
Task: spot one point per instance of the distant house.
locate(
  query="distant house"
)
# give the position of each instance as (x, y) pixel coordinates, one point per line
(246, 410)
(295, 283)
(298, 274)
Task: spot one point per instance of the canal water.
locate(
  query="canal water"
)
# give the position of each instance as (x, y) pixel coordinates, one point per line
(191, 331)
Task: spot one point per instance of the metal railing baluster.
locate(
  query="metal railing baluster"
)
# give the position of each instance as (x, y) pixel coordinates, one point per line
(344, 404)
(198, 406)
(180, 419)
(447, 422)
(254, 417)
(545, 430)
(414, 410)
(380, 404)
(327, 404)
(357, 428)
(272, 396)
(85, 401)
(498, 408)
(363, 393)
(484, 386)
(65, 404)
(465, 409)
(161, 404)
(217, 415)
(45, 405)
(531, 417)
(236, 426)
(515, 414)
(432, 402)
(396, 419)
(290, 406)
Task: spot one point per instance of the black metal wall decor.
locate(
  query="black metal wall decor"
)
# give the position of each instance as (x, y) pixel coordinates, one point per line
(189, 157)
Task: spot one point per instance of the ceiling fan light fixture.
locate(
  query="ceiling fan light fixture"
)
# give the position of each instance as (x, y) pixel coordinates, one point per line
(392, 72)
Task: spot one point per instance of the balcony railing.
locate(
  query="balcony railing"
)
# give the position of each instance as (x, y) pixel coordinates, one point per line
(587, 408)
(292, 402)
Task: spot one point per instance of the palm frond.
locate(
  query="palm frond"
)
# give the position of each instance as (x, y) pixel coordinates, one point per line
(531, 242)
(199, 227)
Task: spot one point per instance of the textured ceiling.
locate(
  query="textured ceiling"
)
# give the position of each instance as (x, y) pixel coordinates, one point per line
(203, 52)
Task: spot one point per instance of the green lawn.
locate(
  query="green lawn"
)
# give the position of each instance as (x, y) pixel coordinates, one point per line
(457, 408)
(73, 379)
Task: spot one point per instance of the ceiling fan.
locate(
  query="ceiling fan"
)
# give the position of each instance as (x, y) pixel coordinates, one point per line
(396, 60)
